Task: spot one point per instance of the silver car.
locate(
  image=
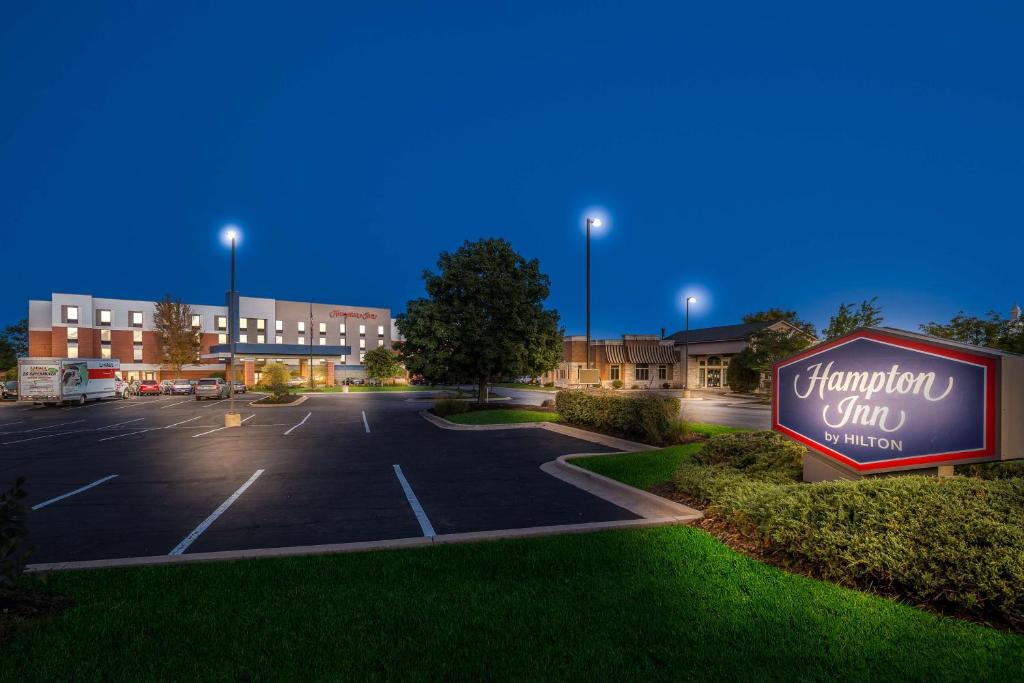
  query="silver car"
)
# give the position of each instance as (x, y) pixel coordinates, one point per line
(211, 387)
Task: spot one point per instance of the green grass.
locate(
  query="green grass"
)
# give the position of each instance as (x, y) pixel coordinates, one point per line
(519, 385)
(358, 389)
(668, 603)
(643, 470)
(708, 429)
(503, 416)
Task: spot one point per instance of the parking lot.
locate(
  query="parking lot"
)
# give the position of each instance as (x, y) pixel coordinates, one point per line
(160, 475)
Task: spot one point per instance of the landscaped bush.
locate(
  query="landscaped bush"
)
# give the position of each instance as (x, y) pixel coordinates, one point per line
(450, 406)
(13, 514)
(616, 384)
(956, 543)
(755, 452)
(647, 416)
(275, 377)
(993, 470)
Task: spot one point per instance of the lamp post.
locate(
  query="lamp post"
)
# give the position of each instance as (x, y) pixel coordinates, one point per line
(231, 419)
(686, 349)
(595, 222)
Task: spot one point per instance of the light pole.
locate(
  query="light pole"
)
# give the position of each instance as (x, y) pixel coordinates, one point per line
(231, 419)
(686, 349)
(596, 222)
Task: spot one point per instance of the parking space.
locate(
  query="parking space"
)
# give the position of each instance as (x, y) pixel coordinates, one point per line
(160, 475)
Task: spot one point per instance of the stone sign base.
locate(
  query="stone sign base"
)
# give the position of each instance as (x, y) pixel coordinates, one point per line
(817, 467)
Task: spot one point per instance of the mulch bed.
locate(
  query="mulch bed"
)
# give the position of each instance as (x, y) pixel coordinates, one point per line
(19, 606)
(271, 401)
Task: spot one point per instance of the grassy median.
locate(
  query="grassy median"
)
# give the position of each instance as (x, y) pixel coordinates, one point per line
(669, 603)
(503, 416)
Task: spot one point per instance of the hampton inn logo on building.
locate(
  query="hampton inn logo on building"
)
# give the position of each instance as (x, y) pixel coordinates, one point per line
(874, 401)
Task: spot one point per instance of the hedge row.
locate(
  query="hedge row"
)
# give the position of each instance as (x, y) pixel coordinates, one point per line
(648, 416)
(954, 543)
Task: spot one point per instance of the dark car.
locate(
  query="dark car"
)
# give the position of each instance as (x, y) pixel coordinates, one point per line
(418, 381)
(9, 390)
(149, 387)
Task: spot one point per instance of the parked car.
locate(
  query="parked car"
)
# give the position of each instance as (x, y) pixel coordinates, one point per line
(418, 381)
(211, 387)
(9, 390)
(165, 386)
(182, 386)
(239, 387)
(149, 387)
(297, 381)
(121, 388)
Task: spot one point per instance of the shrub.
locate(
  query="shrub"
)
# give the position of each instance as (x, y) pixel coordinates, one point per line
(275, 376)
(616, 384)
(953, 543)
(549, 384)
(665, 385)
(993, 470)
(742, 374)
(647, 416)
(548, 403)
(754, 452)
(13, 529)
(450, 406)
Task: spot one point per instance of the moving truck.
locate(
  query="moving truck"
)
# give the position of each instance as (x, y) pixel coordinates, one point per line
(67, 380)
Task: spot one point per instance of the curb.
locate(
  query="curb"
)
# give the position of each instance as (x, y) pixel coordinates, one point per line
(301, 400)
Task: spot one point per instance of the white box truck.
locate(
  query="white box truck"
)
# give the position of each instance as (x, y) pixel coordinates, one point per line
(54, 381)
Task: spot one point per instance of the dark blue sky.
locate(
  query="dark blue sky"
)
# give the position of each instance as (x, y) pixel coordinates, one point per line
(768, 157)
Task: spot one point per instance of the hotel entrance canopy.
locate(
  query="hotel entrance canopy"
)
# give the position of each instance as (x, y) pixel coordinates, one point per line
(222, 352)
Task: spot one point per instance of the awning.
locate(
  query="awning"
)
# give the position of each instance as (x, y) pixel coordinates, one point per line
(616, 354)
(651, 353)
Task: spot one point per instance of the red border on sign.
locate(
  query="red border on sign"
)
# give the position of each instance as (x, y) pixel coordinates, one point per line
(990, 363)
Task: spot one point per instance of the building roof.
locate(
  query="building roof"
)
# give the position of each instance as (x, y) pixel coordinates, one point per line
(720, 333)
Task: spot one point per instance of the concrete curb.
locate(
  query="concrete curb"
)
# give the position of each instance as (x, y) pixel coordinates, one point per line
(301, 400)
(582, 434)
(748, 406)
(357, 547)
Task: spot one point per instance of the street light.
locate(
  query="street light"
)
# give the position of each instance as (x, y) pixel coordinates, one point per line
(686, 349)
(595, 222)
(231, 419)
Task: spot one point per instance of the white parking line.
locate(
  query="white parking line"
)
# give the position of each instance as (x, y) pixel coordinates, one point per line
(74, 431)
(298, 425)
(62, 424)
(188, 540)
(220, 428)
(71, 493)
(365, 423)
(414, 503)
(152, 429)
(171, 405)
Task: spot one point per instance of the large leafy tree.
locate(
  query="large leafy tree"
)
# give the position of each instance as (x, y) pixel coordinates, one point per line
(775, 314)
(382, 363)
(13, 344)
(996, 332)
(768, 345)
(179, 343)
(483, 318)
(848, 318)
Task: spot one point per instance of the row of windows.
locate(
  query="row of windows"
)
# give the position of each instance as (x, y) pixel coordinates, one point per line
(641, 371)
(104, 316)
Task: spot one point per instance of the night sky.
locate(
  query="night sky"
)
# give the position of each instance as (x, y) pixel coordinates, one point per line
(754, 155)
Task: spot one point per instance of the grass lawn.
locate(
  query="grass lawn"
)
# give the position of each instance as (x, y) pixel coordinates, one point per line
(666, 603)
(708, 429)
(528, 387)
(503, 416)
(642, 470)
(355, 389)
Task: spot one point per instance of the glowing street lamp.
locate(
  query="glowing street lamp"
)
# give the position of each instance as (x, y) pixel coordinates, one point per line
(595, 222)
(231, 419)
(686, 349)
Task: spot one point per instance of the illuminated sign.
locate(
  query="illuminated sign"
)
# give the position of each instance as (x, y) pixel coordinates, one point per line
(873, 401)
(352, 314)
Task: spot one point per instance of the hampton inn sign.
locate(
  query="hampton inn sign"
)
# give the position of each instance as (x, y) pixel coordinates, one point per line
(879, 400)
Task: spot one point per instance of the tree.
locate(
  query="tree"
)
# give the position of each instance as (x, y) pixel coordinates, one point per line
(743, 374)
(13, 344)
(847, 319)
(483, 318)
(179, 343)
(275, 377)
(382, 363)
(994, 332)
(775, 314)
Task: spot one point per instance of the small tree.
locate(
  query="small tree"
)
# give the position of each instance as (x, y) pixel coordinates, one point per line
(847, 318)
(275, 377)
(996, 332)
(743, 374)
(483, 318)
(776, 314)
(179, 343)
(382, 364)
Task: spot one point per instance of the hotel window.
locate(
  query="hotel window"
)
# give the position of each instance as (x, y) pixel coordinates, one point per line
(103, 316)
(69, 314)
(104, 336)
(300, 340)
(220, 322)
(642, 372)
(662, 372)
(380, 330)
(243, 339)
(341, 328)
(342, 341)
(72, 334)
(279, 339)
(135, 318)
(197, 321)
(380, 343)
(323, 328)
(323, 341)
(343, 359)
(261, 339)
(72, 349)
(137, 353)
(243, 323)
(261, 324)
(105, 352)
(136, 336)
(301, 327)
(278, 326)
(362, 356)
(614, 372)
(222, 339)
(362, 330)
(362, 343)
